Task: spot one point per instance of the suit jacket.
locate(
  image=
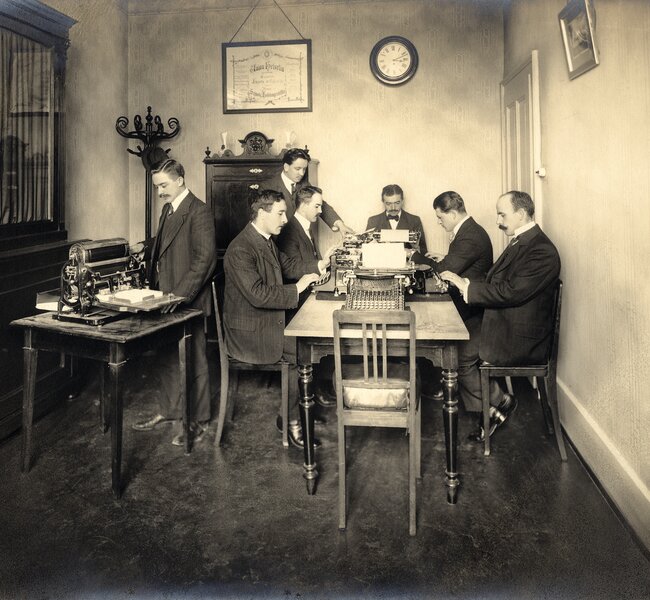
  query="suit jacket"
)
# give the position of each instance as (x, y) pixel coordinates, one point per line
(255, 296)
(406, 221)
(518, 296)
(469, 255)
(293, 241)
(329, 215)
(184, 254)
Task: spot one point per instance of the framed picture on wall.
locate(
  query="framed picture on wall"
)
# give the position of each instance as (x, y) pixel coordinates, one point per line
(266, 76)
(578, 25)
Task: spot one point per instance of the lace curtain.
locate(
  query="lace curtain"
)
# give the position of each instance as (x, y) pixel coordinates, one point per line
(27, 115)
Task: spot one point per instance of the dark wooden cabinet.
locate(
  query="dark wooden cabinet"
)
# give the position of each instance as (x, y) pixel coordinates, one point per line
(230, 179)
(33, 239)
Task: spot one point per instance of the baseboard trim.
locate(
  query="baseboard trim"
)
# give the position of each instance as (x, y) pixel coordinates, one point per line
(628, 496)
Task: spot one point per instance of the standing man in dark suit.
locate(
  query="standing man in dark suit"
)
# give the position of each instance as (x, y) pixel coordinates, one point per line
(469, 255)
(395, 217)
(289, 182)
(181, 260)
(517, 296)
(256, 296)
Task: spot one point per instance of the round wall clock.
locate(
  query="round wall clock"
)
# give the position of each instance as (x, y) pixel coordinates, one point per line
(394, 60)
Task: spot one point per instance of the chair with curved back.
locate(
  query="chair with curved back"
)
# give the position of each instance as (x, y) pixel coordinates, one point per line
(377, 392)
(547, 392)
(229, 365)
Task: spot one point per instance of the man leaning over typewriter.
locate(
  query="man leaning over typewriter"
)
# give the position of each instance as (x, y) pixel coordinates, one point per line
(518, 298)
(256, 297)
(181, 260)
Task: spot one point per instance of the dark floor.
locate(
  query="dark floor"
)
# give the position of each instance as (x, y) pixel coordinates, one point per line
(237, 522)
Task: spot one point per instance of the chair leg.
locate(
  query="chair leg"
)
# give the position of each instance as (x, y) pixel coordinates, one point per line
(485, 395)
(223, 405)
(284, 408)
(412, 476)
(232, 394)
(550, 385)
(342, 486)
(543, 402)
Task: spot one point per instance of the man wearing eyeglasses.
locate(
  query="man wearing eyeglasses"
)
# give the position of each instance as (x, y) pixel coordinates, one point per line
(395, 217)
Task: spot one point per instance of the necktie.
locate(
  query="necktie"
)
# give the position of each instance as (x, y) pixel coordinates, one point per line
(513, 241)
(393, 217)
(273, 249)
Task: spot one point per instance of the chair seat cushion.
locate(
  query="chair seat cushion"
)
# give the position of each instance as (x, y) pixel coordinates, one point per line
(395, 398)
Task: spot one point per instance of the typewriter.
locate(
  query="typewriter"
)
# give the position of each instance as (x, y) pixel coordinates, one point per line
(375, 271)
(102, 281)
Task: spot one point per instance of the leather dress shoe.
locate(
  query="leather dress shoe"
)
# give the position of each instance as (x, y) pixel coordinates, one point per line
(197, 431)
(295, 433)
(498, 416)
(150, 423)
(324, 399)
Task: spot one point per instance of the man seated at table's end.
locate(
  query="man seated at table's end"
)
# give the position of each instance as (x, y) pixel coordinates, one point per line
(256, 297)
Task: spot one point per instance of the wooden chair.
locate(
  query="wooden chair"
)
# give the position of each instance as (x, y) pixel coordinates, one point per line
(377, 392)
(547, 392)
(229, 384)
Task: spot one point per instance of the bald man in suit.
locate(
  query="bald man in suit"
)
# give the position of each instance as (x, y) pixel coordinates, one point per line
(517, 296)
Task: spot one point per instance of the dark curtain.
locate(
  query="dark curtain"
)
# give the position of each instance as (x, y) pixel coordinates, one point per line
(26, 130)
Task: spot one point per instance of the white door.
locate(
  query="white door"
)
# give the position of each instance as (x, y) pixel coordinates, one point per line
(521, 134)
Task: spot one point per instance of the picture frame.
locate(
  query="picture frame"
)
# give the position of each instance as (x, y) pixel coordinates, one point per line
(578, 25)
(262, 77)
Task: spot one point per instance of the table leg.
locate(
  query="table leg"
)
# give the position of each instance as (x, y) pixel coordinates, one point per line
(115, 368)
(450, 421)
(184, 357)
(30, 362)
(104, 417)
(305, 378)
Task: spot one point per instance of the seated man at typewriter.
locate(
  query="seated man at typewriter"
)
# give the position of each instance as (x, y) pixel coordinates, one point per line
(517, 296)
(256, 297)
(469, 255)
(181, 260)
(395, 217)
(295, 239)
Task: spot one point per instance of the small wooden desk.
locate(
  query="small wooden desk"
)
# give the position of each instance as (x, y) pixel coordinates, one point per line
(438, 328)
(114, 343)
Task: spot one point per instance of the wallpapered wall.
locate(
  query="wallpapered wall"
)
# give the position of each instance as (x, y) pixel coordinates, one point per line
(96, 94)
(597, 210)
(440, 131)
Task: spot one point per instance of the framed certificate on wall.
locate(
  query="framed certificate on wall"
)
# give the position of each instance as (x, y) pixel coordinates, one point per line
(266, 76)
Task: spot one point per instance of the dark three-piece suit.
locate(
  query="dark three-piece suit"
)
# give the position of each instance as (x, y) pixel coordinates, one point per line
(182, 260)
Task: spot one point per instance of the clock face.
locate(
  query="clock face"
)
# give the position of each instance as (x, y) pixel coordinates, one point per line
(393, 60)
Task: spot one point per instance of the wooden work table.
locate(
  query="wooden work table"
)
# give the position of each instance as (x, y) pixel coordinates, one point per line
(114, 344)
(438, 329)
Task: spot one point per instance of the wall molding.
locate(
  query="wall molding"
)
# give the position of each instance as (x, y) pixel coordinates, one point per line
(618, 479)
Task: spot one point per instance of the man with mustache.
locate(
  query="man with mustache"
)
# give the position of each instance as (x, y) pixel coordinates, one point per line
(395, 217)
(517, 296)
(181, 260)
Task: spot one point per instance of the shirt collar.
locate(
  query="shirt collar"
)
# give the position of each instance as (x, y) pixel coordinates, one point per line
(266, 236)
(176, 202)
(304, 223)
(524, 228)
(287, 182)
(455, 230)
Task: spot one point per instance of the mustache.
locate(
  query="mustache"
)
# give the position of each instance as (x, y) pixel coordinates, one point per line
(502, 227)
